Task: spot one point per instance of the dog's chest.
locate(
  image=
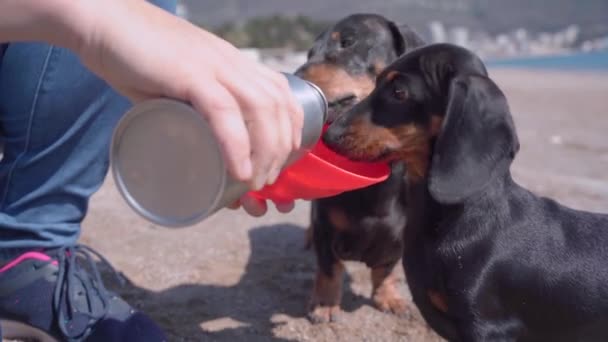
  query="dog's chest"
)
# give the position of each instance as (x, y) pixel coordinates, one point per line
(446, 267)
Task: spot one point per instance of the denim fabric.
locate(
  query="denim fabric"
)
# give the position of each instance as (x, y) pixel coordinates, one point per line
(56, 122)
(2, 48)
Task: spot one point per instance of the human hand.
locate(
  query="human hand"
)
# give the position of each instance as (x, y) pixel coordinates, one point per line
(257, 207)
(144, 52)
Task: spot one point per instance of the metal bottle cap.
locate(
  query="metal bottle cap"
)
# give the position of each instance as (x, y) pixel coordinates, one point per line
(169, 171)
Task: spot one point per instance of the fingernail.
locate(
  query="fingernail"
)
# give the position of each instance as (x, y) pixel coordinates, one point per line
(246, 169)
(273, 176)
(259, 182)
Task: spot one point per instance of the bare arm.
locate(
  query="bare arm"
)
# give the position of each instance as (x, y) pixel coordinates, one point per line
(40, 20)
(144, 52)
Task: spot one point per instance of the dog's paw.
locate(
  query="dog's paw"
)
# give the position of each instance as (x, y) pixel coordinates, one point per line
(386, 295)
(324, 305)
(325, 314)
(391, 304)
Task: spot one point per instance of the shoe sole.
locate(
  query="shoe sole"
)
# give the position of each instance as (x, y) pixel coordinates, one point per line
(16, 330)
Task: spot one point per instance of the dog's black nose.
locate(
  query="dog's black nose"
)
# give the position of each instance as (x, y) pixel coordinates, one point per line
(333, 134)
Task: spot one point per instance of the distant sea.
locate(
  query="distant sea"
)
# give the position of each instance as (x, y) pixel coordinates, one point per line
(596, 60)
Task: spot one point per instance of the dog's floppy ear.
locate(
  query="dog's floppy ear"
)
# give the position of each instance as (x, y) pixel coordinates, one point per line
(477, 142)
(404, 38)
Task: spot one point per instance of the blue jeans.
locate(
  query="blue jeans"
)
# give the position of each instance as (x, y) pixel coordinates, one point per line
(56, 123)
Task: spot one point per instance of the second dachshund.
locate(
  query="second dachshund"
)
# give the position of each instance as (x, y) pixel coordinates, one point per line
(363, 225)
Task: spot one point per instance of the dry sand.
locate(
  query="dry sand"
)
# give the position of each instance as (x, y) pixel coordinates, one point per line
(236, 278)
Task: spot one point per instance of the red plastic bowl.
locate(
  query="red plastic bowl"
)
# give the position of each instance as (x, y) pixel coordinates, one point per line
(323, 173)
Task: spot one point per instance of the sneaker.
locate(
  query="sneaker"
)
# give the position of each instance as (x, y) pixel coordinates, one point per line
(58, 295)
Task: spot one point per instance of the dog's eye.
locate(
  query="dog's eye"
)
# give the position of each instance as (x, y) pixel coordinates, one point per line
(400, 93)
(347, 42)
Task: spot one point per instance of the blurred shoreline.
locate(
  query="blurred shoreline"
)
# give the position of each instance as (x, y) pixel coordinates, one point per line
(573, 61)
(592, 61)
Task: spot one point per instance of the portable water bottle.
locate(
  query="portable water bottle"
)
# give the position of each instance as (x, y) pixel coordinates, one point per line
(167, 163)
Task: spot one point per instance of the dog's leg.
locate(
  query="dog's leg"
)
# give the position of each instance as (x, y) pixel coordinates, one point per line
(308, 243)
(327, 294)
(386, 295)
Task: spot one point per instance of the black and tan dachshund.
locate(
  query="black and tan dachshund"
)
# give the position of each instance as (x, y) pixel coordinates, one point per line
(485, 259)
(363, 225)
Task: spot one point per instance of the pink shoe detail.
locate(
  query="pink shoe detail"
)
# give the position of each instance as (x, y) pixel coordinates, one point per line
(24, 257)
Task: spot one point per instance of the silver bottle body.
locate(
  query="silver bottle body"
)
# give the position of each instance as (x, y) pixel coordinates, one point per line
(168, 165)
